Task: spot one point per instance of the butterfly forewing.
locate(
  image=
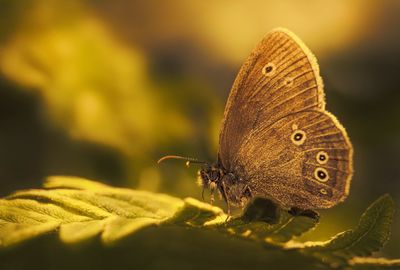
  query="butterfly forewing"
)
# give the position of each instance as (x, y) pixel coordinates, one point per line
(278, 91)
(280, 76)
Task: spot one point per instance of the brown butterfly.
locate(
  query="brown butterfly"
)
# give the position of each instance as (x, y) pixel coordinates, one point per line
(277, 140)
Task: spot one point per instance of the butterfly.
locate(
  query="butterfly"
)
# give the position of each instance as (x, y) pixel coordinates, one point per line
(277, 140)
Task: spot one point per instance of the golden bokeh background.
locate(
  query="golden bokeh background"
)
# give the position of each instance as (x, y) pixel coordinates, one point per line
(102, 89)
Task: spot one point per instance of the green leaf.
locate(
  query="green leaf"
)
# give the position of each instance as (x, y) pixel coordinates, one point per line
(196, 213)
(370, 235)
(373, 263)
(81, 209)
(78, 210)
(78, 231)
(13, 233)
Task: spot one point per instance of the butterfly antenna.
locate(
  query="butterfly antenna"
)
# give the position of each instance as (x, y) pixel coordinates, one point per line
(187, 159)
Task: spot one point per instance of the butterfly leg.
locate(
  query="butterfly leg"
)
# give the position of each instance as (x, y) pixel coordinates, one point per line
(246, 195)
(212, 187)
(222, 189)
(226, 199)
(295, 211)
(212, 198)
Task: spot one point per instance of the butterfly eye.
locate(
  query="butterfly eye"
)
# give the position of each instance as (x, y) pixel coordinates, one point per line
(322, 157)
(268, 69)
(323, 191)
(214, 175)
(298, 137)
(288, 82)
(321, 174)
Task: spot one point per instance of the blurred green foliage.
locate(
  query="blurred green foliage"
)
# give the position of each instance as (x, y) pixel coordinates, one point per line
(102, 89)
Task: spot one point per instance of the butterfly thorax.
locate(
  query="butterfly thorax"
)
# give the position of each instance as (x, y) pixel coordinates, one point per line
(232, 189)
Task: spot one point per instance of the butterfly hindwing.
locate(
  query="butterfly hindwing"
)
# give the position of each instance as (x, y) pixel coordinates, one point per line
(327, 162)
(302, 160)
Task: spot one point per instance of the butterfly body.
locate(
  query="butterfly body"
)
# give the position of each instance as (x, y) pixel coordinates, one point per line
(277, 140)
(234, 190)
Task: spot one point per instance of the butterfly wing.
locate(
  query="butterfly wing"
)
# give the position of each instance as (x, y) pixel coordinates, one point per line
(280, 78)
(302, 160)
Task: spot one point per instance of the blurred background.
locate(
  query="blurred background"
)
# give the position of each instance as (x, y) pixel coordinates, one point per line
(101, 89)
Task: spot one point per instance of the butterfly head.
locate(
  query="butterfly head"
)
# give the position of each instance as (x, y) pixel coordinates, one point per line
(209, 176)
(213, 177)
